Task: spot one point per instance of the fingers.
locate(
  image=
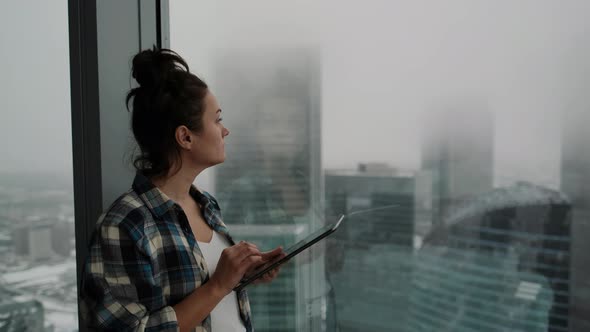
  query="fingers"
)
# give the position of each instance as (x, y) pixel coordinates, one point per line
(271, 275)
(251, 245)
(247, 257)
(271, 254)
(246, 252)
(249, 263)
(241, 251)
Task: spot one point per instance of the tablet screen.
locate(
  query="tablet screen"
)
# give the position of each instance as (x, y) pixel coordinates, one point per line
(291, 252)
(308, 239)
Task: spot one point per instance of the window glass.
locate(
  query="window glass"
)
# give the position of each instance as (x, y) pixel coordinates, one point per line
(37, 248)
(457, 127)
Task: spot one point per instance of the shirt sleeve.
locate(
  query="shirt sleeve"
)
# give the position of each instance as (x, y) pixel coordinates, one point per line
(118, 291)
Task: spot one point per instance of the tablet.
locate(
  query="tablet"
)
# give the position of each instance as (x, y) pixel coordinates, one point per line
(291, 252)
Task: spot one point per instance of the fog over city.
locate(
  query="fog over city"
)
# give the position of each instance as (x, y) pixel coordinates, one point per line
(35, 130)
(386, 68)
(458, 127)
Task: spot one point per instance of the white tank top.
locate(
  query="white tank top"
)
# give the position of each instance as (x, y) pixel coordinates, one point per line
(226, 315)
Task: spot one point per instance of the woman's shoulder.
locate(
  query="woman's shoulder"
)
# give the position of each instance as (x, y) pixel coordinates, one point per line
(127, 212)
(209, 196)
(129, 218)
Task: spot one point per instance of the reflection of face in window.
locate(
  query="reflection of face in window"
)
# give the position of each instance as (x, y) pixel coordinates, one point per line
(272, 170)
(281, 127)
(266, 179)
(281, 137)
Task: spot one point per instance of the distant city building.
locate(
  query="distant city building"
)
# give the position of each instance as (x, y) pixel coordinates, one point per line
(5, 242)
(20, 312)
(33, 240)
(575, 183)
(51, 283)
(369, 268)
(37, 286)
(43, 239)
(62, 238)
(500, 262)
(21, 239)
(391, 197)
(272, 175)
(376, 169)
(458, 151)
(423, 221)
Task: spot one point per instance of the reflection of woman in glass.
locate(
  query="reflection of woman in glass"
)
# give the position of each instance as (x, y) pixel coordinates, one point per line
(162, 259)
(273, 184)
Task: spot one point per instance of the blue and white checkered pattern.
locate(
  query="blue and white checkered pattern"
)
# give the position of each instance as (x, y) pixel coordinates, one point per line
(144, 259)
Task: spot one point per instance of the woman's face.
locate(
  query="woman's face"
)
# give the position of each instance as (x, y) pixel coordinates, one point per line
(208, 145)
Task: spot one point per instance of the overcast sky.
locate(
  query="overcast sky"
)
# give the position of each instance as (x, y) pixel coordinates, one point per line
(386, 66)
(35, 129)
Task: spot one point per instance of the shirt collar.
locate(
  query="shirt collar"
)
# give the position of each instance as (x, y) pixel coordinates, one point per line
(155, 200)
(159, 203)
(199, 197)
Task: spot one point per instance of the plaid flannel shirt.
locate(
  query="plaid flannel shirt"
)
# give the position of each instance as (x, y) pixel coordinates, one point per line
(144, 259)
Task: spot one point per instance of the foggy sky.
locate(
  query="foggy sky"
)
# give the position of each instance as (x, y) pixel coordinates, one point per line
(386, 67)
(35, 125)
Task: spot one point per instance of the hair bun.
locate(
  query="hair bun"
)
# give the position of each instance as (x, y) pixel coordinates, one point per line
(151, 67)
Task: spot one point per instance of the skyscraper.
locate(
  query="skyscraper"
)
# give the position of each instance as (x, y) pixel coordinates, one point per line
(500, 262)
(33, 240)
(369, 268)
(575, 182)
(269, 186)
(458, 151)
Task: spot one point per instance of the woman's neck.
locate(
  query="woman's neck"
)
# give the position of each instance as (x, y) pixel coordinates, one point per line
(177, 185)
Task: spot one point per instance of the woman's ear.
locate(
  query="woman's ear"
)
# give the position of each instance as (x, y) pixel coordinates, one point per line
(184, 137)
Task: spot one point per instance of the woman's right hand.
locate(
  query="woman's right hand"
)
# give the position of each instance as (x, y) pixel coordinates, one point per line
(233, 264)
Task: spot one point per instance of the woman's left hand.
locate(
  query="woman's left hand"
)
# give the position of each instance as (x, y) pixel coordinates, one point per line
(270, 256)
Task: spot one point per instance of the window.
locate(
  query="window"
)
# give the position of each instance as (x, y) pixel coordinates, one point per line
(37, 259)
(458, 127)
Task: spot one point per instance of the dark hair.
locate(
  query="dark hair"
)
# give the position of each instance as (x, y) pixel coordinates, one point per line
(168, 96)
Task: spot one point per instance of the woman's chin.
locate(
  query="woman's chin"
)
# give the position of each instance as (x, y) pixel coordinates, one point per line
(221, 160)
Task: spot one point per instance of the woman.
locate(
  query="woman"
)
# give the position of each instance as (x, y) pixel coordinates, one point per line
(162, 259)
